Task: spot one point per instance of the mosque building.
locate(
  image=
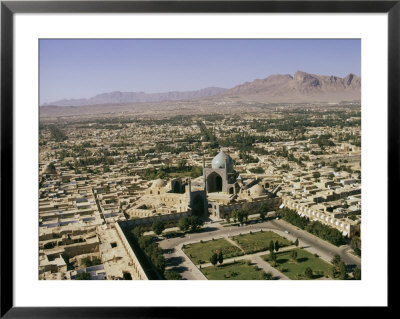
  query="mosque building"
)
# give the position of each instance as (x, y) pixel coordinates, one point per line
(215, 194)
(226, 190)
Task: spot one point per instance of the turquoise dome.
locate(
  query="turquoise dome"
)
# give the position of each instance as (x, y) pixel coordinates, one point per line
(219, 161)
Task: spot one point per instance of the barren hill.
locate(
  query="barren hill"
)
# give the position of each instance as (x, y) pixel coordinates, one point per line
(302, 87)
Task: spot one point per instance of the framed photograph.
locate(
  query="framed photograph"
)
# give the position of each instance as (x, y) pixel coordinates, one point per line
(160, 155)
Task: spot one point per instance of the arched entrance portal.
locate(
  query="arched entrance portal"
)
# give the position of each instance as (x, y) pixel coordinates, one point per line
(198, 205)
(177, 187)
(214, 183)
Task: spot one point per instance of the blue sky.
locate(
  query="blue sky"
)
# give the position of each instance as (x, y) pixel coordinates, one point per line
(84, 68)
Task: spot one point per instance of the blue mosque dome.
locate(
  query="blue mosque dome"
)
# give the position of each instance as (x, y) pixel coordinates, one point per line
(219, 161)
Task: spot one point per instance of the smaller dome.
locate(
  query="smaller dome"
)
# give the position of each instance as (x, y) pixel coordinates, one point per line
(158, 183)
(257, 190)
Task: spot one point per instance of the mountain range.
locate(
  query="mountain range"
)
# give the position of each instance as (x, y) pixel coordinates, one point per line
(118, 97)
(301, 87)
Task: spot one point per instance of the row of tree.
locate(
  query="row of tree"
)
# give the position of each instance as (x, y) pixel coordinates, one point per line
(355, 244)
(292, 217)
(300, 123)
(167, 171)
(192, 223)
(242, 214)
(339, 269)
(325, 232)
(188, 223)
(316, 228)
(217, 257)
(273, 249)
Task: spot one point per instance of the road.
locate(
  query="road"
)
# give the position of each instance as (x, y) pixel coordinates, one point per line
(179, 261)
(316, 245)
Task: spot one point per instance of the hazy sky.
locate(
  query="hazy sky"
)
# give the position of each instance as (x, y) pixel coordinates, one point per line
(84, 68)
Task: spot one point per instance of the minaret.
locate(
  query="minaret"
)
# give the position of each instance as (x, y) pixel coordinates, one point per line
(226, 173)
(204, 176)
(190, 192)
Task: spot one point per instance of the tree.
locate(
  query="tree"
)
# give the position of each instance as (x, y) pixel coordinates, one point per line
(195, 222)
(262, 215)
(336, 260)
(228, 218)
(88, 262)
(357, 273)
(296, 242)
(240, 216)
(316, 174)
(271, 246)
(276, 246)
(342, 271)
(308, 272)
(172, 275)
(293, 255)
(333, 272)
(356, 245)
(268, 276)
(82, 276)
(51, 168)
(184, 224)
(159, 261)
(235, 215)
(273, 258)
(246, 215)
(138, 231)
(220, 257)
(214, 259)
(158, 227)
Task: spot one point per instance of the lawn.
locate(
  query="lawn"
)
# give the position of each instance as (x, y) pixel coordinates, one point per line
(200, 253)
(239, 270)
(295, 270)
(254, 242)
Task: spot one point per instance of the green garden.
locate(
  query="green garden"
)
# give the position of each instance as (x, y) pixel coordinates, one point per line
(259, 241)
(294, 263)
(240, 270)
(200, 253)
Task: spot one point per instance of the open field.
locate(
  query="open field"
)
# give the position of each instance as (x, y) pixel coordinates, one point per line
(239, 270)
(254, 242)
(200, 253)
(295, 270)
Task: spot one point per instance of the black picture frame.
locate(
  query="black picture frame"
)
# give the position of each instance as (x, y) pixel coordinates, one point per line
(9, 8)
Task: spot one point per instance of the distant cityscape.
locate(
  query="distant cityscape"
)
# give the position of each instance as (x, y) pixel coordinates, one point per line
(127, 198)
